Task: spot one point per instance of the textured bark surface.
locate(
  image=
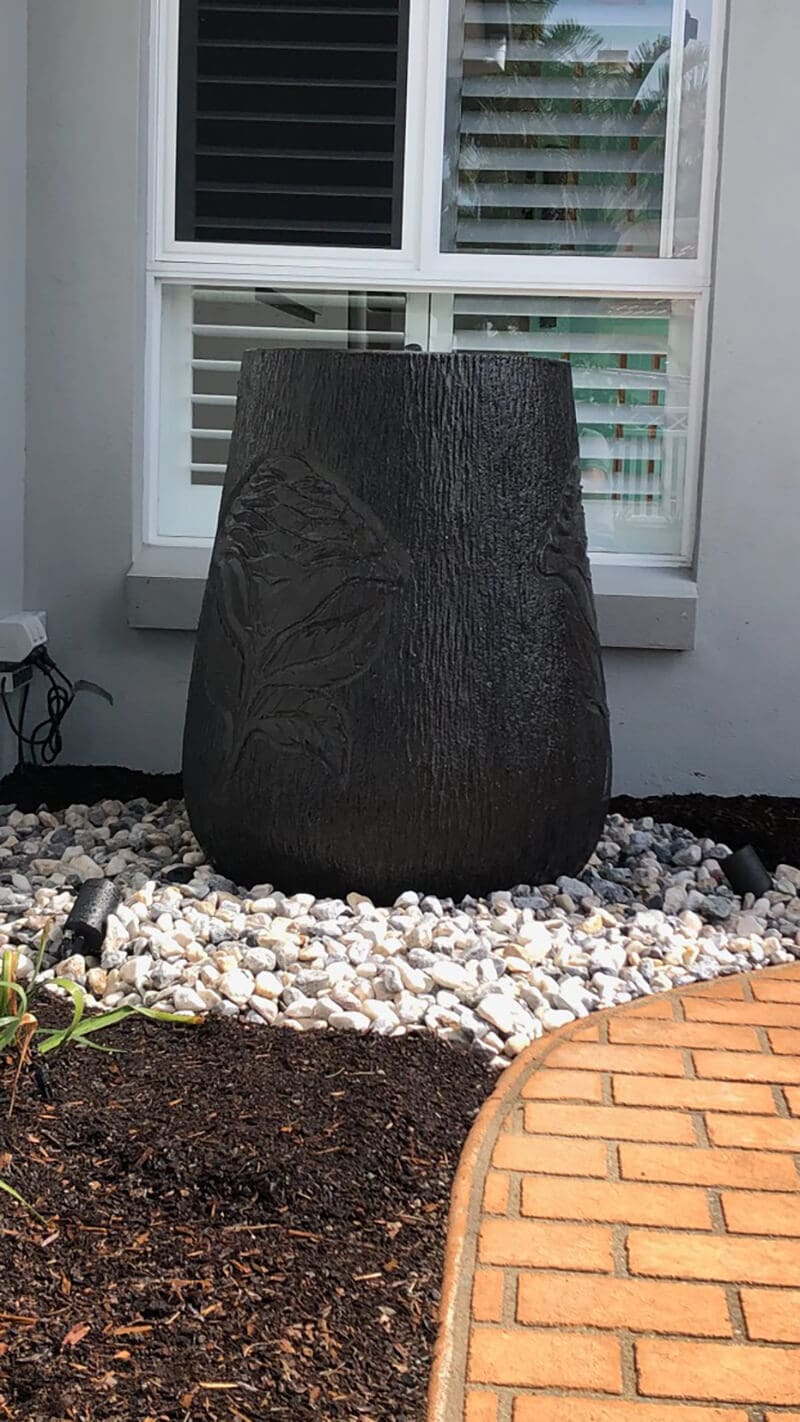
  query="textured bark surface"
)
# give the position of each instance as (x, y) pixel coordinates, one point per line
(397, 678)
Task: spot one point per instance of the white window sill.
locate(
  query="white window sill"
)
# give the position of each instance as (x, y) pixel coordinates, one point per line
(644, 607)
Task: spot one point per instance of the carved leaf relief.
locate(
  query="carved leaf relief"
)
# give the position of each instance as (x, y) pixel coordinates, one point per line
(304, 580)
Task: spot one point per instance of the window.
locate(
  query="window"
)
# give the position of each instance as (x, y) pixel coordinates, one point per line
(290, 122)
(559, 138)
(530, 175)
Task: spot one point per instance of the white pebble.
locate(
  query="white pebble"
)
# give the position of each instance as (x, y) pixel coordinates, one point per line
(187, 1000)
(349, 1021)
(236, 985)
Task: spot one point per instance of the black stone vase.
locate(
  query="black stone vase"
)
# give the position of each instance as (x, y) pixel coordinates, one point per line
(397, 679)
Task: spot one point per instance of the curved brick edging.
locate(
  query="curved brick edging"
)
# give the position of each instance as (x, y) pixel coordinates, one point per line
(688, 1074)
(447, 1375)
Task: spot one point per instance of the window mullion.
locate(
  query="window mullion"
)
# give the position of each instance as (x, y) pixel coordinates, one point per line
(673, 131)
(441, 328)
(431, 33)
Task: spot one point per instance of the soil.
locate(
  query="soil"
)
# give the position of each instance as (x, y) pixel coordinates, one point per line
(242, 1223)
(58, 786)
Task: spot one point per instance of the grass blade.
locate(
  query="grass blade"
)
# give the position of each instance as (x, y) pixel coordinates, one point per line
(156, 1015)
(20, 1199)
(37, 967)
(102, 1020)
(8, 973)
(12, 989)
(78, 999)
(50, 1038)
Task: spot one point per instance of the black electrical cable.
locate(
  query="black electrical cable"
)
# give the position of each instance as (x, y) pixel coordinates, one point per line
(45, 739)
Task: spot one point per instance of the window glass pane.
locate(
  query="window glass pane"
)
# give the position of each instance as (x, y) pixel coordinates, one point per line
(564, 127)
(692, 96)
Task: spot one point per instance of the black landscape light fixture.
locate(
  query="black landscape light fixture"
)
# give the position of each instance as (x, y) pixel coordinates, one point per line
(745, 872)
(85, 927)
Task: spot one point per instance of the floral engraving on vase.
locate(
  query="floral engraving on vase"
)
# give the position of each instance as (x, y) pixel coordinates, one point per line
(304, 579)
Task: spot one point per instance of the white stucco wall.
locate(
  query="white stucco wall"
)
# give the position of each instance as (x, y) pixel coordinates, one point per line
(13, 47)
(85, 332)
(722, 718)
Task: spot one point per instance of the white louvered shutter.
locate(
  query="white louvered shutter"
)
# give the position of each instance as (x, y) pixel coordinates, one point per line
(557, 126)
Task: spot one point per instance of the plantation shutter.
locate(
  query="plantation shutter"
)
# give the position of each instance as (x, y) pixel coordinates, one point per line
(558, 130)
(225, 323)
(630, 368)
(290, 121)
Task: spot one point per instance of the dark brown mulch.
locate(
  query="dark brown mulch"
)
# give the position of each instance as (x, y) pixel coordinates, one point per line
(770, 823)
(245, 1223)
(59, 786)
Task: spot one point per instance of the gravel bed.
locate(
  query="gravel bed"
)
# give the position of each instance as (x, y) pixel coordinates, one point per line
(651, 911)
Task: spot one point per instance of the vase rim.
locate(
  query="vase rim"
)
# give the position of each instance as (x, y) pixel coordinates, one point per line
(440, 357)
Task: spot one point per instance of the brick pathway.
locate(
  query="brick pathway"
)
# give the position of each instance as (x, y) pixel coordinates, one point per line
(624, 1241)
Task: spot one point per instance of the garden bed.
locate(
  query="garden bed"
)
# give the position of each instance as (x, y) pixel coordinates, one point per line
(245, 1223)
(241, 1224)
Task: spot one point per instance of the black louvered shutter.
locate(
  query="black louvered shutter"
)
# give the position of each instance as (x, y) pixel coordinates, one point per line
(291, 121)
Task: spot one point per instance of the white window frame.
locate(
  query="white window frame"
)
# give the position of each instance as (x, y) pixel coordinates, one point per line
(418, 264)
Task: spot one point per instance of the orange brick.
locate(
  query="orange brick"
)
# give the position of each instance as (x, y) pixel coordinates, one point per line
(720, 987)
(650, 1061)
(586, 1031)
(730, 1258)
(745, 1169)
(650, 1007)
(683, 1034)
(550, 1155)
(774, 1417)
(480, 1407)
(694, 1095)
(719, 1372)
(772, 1315)
(611, 1123)
(792, 1094)
(754, 1014)
(746, 1066)
(526, 1357)
(528, 1244)
(495, 1193)
(750, 1212)
(487, 1295)
(591, 1409)
(561, 1198)
(642, 1305)
(754, 1132)
(552, 1085)
(785, 1039)
(774, 990)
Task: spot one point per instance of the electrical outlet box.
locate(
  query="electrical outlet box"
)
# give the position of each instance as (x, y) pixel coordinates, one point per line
(19, 636)
(15, 679)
